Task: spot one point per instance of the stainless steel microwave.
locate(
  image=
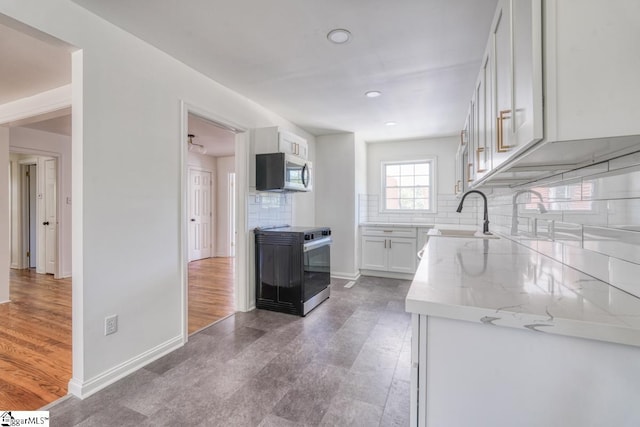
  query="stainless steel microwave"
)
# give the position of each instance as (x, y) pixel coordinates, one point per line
(282, 172)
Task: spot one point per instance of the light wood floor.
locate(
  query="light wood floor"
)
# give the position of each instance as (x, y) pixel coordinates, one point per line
(35, 329)
(210, 291)
(35, 341)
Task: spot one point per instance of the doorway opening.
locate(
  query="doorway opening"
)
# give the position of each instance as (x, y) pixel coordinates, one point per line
(38, 332)
(211, 268)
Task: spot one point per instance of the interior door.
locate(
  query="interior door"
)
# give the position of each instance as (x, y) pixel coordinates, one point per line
(200, 214)
(50, 214)
(232, 214)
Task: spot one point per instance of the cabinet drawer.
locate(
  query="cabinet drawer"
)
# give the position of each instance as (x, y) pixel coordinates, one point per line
(389, 231)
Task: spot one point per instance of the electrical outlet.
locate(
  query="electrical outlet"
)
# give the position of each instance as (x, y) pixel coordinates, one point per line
(111, 324)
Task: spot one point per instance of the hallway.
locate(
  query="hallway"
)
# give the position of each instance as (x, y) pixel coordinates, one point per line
(210, 291)
(35, 341)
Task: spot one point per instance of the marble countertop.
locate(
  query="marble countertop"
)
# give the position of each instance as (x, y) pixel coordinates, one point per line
(500, 282)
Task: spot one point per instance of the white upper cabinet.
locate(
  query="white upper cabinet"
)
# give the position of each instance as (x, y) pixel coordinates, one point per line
(591, 69)
(515, 55)
(293, 144)
(585, 53)
(274, 140)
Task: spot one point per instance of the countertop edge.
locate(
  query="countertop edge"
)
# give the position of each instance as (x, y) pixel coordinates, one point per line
(533, 323)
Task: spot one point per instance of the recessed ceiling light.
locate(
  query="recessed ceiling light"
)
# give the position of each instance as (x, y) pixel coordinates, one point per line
(373, 94)
(391, 123)
(339, 36)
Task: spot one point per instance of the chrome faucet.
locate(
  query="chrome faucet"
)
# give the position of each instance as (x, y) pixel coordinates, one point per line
(514, 212)
(485, 227)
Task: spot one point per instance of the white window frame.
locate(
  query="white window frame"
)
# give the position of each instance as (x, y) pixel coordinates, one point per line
(433, 185)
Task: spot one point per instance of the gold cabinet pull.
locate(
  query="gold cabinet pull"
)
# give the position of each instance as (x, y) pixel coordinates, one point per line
(478, 151)
(469, 166)
(502, 116)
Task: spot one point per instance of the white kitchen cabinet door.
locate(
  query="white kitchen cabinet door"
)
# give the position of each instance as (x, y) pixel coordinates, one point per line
(484, 116)
(471, 144)
(526, 47)
(402, 255)
(517, 76)
(293, 144)
(501, 52)
(459, 169)
(374, 253)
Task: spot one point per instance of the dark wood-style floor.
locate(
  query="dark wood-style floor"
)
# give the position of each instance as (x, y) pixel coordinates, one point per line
(347, 363)
(35, 341)
(210, 291)
(35, 329)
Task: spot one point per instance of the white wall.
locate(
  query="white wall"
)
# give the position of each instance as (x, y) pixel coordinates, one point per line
(444, 149)
(224, 166)
(5, 234)
(127, 144)
(335, 188)
(37, 142)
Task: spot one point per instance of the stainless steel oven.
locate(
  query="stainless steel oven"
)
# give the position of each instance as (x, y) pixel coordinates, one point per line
(293, 268)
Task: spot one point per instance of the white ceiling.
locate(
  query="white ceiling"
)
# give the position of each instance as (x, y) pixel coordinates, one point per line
(423, 55)
(217, 141)
(30, 65)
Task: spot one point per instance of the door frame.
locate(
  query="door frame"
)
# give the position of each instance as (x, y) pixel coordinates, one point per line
(60, 227)
(241, 260)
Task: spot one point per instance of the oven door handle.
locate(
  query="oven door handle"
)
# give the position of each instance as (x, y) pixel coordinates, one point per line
(314, 244)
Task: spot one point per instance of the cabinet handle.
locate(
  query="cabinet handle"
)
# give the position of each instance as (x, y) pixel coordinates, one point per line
(455, 188)
(469, 166)
(385, 243)
(478, 151)
(462, 137)
(504, 115)
(389, 244)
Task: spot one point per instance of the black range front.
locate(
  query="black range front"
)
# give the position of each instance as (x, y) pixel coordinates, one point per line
(293, 269)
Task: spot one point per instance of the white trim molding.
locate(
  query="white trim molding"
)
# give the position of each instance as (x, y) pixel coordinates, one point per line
(345, 276)
(51, 101)
(84, 389)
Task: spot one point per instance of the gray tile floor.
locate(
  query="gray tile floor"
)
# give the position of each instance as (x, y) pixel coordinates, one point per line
(346, 364)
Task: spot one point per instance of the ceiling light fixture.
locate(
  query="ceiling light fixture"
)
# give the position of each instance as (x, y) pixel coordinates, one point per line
(373, 94)
(197, 148)
(390, 123)
(339, 36)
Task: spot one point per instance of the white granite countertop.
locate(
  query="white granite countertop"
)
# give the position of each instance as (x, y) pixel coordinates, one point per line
(500, 282)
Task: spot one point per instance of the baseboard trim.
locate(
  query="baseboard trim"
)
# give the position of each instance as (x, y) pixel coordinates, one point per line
(346, 276)
(387, 274)
(85, 389)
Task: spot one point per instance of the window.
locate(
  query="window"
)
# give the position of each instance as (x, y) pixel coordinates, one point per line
(408, 186)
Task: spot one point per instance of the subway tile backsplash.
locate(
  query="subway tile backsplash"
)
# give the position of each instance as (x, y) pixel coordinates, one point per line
(269, 209)
(588, 219)
(369, 211)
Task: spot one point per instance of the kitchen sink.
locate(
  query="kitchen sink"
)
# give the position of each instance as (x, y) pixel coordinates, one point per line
(468, 234)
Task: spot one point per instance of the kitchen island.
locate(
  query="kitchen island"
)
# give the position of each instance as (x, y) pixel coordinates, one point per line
(504, 336)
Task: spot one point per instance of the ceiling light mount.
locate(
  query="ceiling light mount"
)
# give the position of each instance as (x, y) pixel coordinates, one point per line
(391, 123)
(373, 94)
(339, 36)
(198, 148)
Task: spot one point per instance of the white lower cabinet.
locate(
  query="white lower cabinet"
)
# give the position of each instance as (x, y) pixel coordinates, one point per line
(382, 250)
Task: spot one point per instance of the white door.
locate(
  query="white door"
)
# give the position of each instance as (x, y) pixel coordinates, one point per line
(199, 214)
(232, 214)
(50, 214)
